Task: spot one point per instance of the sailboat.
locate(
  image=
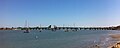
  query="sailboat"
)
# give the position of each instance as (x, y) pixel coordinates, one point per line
(40, 28)
(26, 31)
(26, 28)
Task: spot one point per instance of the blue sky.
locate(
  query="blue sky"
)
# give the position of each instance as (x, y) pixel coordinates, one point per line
(59, 12)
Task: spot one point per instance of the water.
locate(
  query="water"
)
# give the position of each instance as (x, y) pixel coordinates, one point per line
(57, 39)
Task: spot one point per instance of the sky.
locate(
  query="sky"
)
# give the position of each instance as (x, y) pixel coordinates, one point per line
(59, 12)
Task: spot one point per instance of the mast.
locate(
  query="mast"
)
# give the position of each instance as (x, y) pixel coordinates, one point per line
(25, 23)
(40, 28)
(63, 25)
(74, 24)
(26, 27)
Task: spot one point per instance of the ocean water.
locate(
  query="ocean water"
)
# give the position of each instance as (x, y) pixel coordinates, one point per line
(57, 39)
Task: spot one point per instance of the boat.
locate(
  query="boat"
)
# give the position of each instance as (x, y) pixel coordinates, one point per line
(26, 28)
(27, 31)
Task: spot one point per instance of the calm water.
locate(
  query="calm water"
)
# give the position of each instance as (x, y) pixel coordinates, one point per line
(57, 39)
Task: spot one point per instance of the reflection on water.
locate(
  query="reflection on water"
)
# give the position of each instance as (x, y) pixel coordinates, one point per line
(58, 39)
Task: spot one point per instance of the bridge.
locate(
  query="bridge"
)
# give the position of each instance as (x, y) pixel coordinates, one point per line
(62, 28)
(69, 28)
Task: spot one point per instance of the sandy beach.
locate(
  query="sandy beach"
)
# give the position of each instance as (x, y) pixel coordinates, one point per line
(117, 37)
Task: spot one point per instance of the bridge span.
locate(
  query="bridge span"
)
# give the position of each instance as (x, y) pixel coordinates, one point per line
(69, 28)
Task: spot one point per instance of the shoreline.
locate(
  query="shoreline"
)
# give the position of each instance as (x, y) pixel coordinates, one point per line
(116, 37)
(116, 45)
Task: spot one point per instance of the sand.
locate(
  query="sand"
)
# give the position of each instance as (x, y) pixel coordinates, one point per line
(117, 37)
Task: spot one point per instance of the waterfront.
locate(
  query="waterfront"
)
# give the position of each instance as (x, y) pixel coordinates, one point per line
(57, 39)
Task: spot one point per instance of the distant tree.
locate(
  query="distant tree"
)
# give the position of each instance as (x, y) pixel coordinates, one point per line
(19, 27)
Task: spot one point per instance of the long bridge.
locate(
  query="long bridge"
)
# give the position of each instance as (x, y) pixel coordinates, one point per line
(61, 28)
(72, 28)
(69, 28)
